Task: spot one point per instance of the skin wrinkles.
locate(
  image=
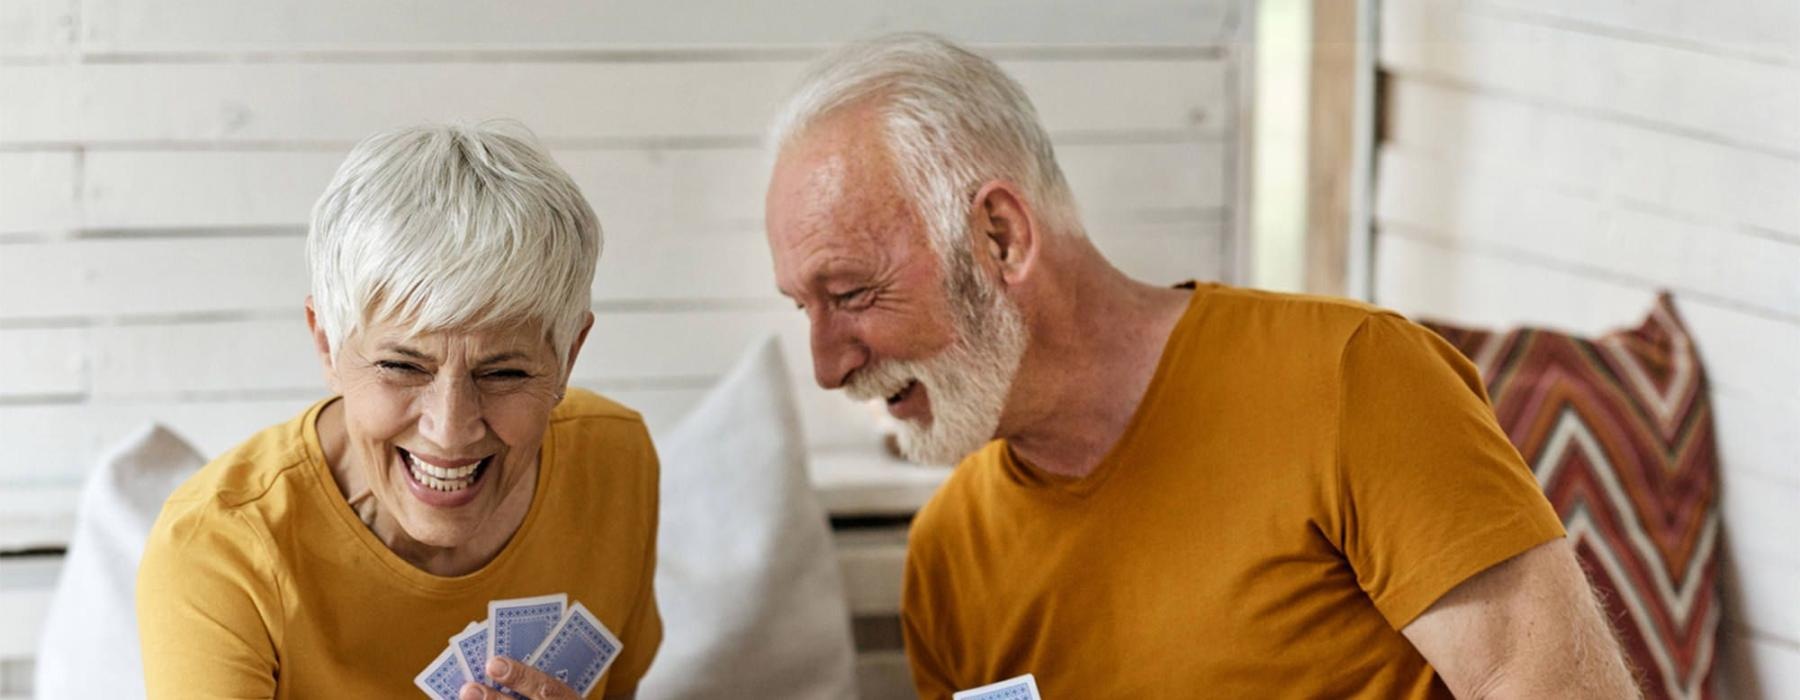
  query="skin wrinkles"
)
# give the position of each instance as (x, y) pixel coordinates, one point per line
(453, 396)
(850, 229)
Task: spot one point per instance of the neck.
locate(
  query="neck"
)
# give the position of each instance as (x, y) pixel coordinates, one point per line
(1096, 341)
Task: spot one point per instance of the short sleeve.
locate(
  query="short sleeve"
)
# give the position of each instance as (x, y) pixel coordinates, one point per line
(207, 607)
(643, 633)
(931, 678)
(1430, 491)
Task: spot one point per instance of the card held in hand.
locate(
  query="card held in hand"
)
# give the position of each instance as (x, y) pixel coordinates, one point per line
(471, 647)
(578, 651)
(516, 627)
(1016, 688)
(444, 678)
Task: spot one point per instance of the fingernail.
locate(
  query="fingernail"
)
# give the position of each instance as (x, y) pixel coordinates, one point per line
(469, 692)
(498, 669)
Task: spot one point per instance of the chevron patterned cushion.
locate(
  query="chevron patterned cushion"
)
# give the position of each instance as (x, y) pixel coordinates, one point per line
(1620, 434)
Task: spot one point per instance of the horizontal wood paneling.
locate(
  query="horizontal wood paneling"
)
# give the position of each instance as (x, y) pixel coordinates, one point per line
(1694, 179)
(210, 25)
(1428, 275)
(334, 103)
(1767, 29)
(1728, 99)
(43, 363)
(38, 191)
(635, 191)
(1518, 211)
(113, 278)
(36, 27)
(1754, 666)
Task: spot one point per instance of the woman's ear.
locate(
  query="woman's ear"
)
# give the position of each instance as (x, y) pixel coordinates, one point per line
(1007, 230)
(321, 345)
(575, 348)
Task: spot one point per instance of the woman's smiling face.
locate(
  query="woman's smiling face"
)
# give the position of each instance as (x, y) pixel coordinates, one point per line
(444, 428)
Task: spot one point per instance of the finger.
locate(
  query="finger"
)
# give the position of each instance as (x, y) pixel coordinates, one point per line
(528, 681)
(477, 691)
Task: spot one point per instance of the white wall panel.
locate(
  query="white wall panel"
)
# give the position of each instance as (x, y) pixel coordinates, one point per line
(1756, 666)
(38, 191)
(466, 24)
(1762, 28)
(1683, 175)
(636, 191)
(44, 362)
(1520, 212)
(1731, 99)
(337, 103)
(36, 28)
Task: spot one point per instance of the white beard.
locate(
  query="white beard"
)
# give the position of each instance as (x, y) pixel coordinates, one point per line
(967, 383)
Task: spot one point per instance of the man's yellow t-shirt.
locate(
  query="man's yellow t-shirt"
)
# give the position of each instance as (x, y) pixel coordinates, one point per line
(259, 581)
(1303, 478)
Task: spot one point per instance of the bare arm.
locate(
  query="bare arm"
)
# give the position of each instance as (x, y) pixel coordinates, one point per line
(1529, 627)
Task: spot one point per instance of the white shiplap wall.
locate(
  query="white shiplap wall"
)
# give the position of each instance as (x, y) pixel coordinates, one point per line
(1553, 163)
(158, 161)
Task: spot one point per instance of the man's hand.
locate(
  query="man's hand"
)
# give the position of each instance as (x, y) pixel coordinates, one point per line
(1529, 627)
(522, 679)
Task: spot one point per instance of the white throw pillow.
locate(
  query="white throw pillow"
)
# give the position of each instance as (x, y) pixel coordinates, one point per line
(747, 580)
(92, 614)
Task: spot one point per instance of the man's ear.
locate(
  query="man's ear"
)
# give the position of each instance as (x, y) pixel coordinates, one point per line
(321, 345)
(1006, 230)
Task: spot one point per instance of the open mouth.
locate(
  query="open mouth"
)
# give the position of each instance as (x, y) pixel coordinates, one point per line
(444, 479)
(904, 392)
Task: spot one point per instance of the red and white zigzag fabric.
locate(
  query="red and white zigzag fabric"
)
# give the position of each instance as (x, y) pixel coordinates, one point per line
(1619, 431)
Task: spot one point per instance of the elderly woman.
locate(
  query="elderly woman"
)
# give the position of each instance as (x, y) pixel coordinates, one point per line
(337, 554)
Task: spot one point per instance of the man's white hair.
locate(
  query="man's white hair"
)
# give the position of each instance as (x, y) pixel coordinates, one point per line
(460, 228)
(953, 120)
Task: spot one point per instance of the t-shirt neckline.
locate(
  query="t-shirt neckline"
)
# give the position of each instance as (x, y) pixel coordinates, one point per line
(1022, 474)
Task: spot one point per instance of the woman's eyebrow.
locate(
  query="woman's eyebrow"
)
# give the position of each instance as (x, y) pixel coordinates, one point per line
(501, 357)
(399, 349)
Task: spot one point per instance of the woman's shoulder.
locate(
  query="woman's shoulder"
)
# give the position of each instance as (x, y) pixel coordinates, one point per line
(255, 471)
(581, 406)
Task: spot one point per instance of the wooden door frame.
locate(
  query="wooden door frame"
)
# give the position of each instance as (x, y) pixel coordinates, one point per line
(1341, 126)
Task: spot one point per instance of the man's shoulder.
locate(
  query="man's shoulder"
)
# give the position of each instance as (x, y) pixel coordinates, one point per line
(1238, 309)
(967, 493)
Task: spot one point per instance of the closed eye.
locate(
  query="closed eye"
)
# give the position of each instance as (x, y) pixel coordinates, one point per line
(506, 374)
(850, 297)
(400, 367)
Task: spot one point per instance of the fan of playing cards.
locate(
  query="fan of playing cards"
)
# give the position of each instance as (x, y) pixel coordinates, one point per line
(564, 641)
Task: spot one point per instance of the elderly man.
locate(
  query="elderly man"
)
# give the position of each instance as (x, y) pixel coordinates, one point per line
(1197, 490)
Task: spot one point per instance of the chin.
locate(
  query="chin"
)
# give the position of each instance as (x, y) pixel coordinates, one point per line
(435, 530)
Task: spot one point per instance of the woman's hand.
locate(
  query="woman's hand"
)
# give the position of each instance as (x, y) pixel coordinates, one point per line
(521, 679)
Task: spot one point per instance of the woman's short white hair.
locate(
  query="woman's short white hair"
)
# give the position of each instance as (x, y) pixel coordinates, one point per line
(448, 227)
(954, 121)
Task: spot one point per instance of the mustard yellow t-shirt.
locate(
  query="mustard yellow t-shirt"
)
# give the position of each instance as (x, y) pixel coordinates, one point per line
(259, 581)
(1303, 477)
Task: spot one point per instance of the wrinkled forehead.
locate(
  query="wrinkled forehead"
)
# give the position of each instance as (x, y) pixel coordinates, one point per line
(833, 198)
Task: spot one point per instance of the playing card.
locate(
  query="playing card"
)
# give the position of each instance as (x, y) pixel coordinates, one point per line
(577, 651)
(1016, 688)
(471, 647)
(444, 677)
(518, 626)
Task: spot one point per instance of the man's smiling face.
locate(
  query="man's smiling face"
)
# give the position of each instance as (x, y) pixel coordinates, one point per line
(888, 319)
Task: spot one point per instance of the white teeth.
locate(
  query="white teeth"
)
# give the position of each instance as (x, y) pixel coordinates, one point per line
(441, 479)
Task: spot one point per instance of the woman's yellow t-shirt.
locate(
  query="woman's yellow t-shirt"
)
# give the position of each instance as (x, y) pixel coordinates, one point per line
(1303, 478)
(259, 581)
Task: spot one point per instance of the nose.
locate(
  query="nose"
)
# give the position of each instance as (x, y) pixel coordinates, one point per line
(451, 417)
(835, 351)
